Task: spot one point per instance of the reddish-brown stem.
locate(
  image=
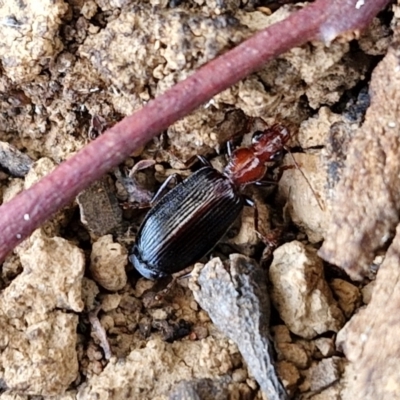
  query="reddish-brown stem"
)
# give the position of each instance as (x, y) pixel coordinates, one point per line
(322, 20)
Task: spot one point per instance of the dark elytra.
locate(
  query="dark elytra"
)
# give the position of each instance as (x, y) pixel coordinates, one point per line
(186, 223)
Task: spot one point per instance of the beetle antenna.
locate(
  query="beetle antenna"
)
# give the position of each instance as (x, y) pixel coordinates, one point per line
(306, 179)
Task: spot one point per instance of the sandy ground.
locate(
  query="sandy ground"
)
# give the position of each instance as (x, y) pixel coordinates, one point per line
(77, 322)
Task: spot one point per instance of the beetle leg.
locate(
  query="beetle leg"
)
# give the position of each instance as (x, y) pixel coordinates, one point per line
(249, 202)
(192, 160)
(164, 187)
(229, 149)
(185, 273)
(265, 182)
(204, 161)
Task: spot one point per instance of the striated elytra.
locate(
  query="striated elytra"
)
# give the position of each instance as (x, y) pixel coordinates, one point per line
(186, 223)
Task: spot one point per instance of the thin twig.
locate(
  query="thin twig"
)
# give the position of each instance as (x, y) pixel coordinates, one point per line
(321, 20)
(99, 332)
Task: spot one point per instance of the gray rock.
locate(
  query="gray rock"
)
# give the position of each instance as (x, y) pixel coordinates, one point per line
(238, 304)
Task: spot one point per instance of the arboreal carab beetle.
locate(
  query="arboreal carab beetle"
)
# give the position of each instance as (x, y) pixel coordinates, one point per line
(191, 218)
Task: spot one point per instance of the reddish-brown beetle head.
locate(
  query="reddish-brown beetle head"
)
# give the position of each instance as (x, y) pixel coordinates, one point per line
(247, 165)
(268, 145)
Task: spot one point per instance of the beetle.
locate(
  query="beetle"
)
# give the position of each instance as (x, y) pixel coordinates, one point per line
(188, 221)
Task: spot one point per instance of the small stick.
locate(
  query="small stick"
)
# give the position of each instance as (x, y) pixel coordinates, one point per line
(99, 332)
(321, 20)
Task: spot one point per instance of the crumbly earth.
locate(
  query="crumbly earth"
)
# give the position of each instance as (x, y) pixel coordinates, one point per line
(77, 322)
(372, 163)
